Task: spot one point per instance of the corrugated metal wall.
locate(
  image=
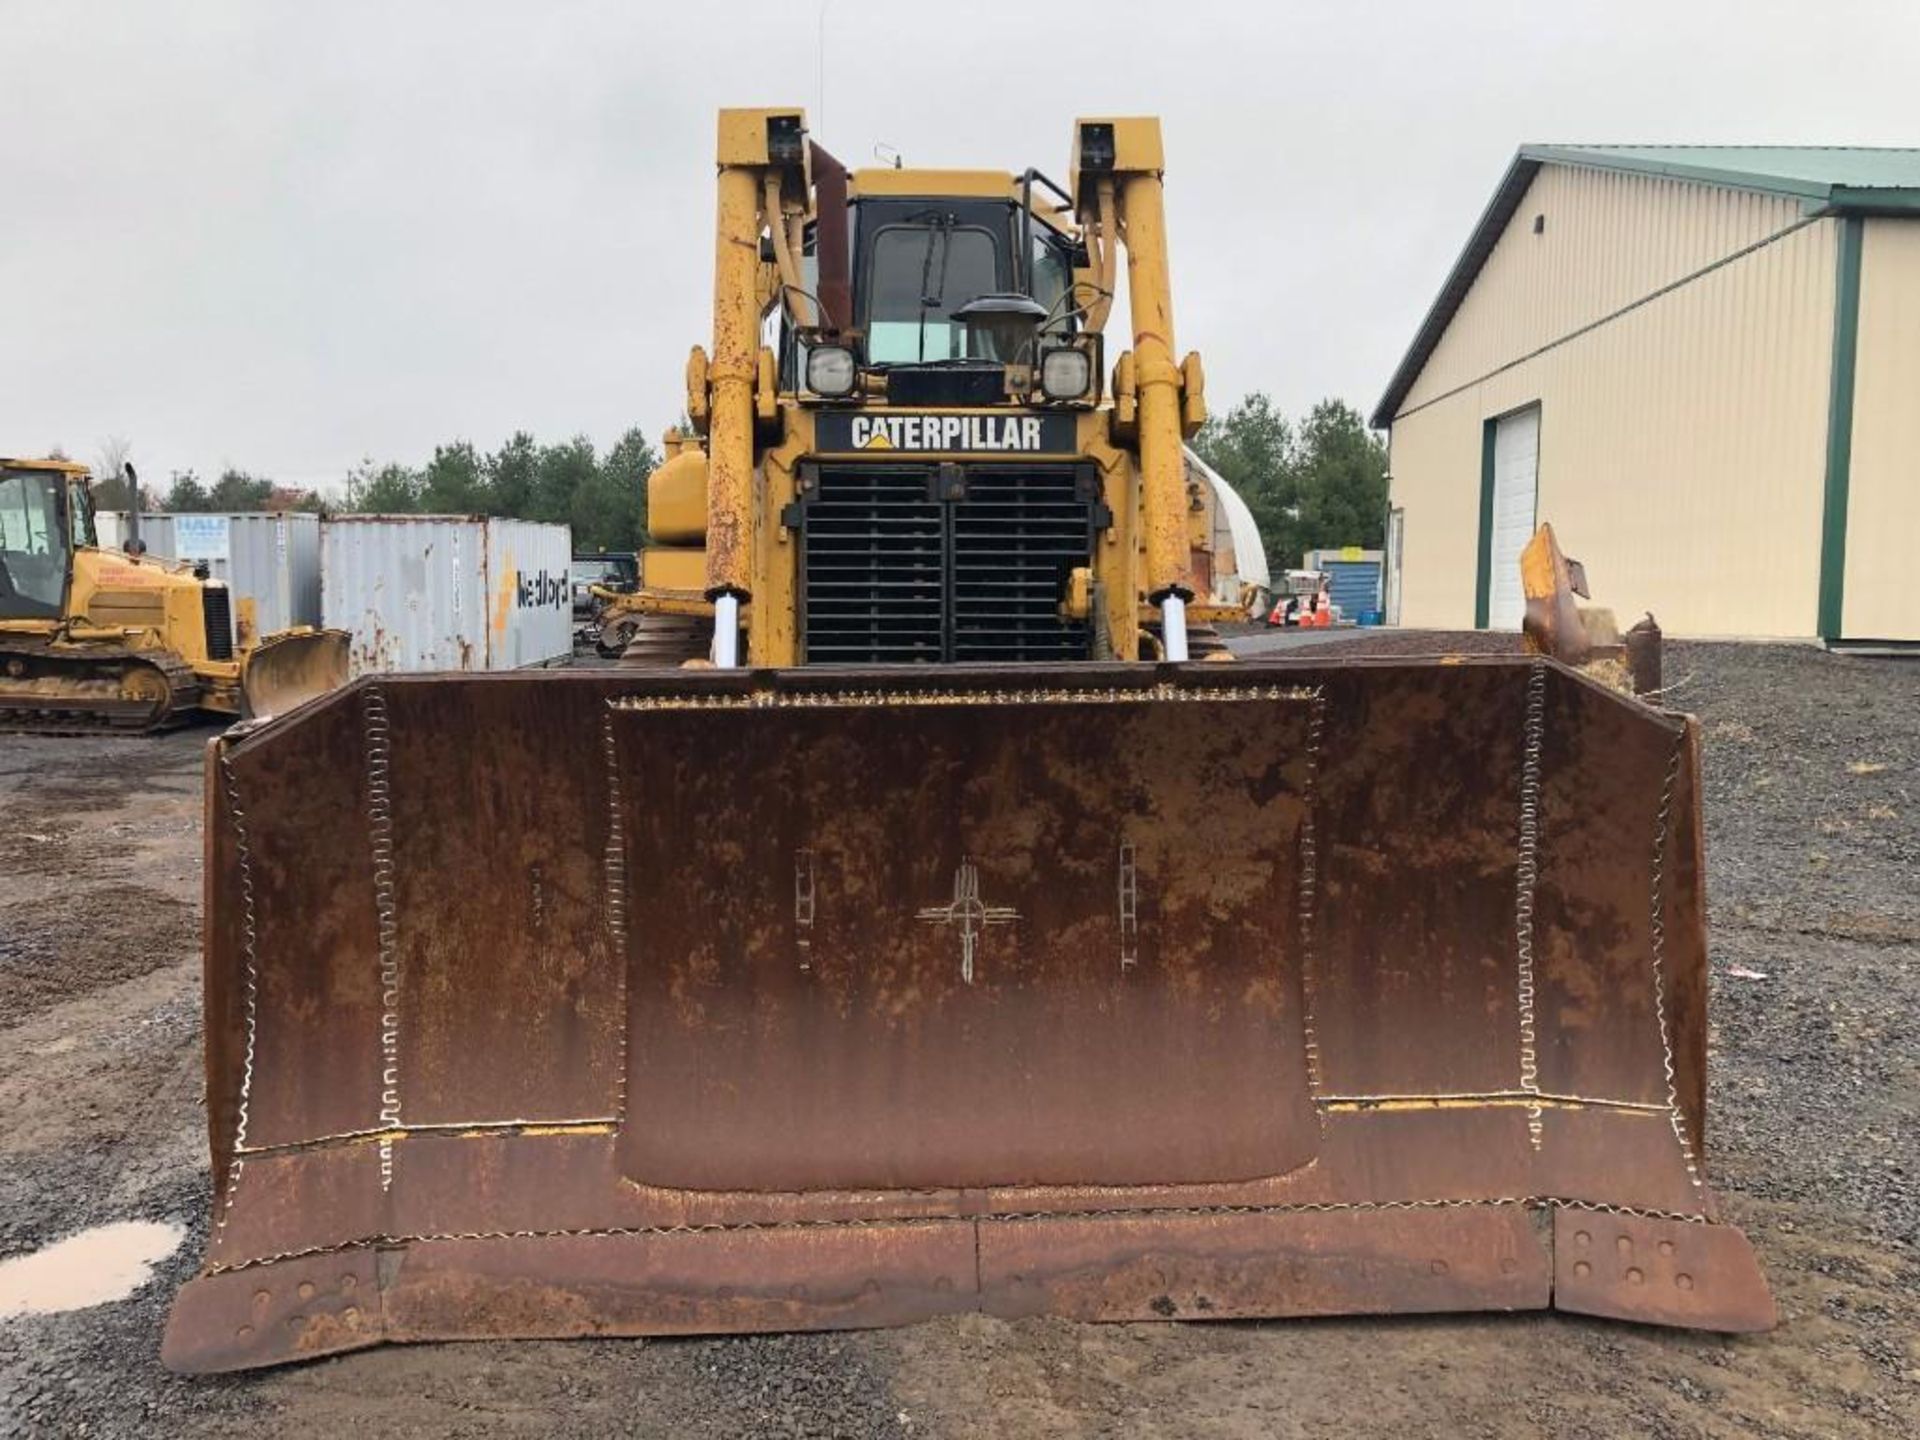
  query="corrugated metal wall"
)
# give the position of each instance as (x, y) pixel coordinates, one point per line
(1608, 240)
(437, 592)
(1882, 596)
(410, 589)
(1434, 458)
(532, 616)
(1682, 444)
(1355, 585)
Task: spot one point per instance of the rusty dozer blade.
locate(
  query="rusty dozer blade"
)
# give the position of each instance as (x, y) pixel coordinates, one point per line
(657, 1003)
(291, 668)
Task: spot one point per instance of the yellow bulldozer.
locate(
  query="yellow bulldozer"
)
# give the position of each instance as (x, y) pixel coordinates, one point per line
(99, 640)
(934, 935)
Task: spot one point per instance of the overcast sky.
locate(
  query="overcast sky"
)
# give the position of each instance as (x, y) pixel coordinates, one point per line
(285, 236)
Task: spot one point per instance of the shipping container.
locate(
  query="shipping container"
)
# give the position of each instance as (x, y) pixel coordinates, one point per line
(1354, 579)
(271, 558)
(447, 592)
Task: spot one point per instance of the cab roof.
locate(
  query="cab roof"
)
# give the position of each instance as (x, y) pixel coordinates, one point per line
(887, 181)
(66, 467)
(972, 184)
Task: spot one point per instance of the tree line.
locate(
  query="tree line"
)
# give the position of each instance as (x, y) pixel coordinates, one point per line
(602, 496)
(233, 490)
(1315, 483)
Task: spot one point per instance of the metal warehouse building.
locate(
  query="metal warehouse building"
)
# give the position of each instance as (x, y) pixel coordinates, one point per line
(1702, 365)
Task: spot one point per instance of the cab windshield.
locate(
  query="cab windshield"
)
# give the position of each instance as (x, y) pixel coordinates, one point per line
(33, 544)
(921, 273)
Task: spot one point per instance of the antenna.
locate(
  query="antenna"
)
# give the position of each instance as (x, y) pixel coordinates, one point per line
(820, 58)
(886, 154)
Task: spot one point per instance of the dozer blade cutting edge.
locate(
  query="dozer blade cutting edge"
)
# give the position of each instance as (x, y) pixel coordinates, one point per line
(603, 1003)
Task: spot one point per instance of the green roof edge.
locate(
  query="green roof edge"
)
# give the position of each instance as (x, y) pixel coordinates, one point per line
(1600, 159)
(1460, 277)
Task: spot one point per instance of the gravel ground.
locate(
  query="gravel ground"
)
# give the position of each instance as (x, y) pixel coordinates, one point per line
(1813, 763)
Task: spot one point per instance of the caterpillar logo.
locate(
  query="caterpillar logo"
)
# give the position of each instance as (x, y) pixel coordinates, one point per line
(539, 590)
(842, 431)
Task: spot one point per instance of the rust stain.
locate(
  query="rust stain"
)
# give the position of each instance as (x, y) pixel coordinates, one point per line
(502, 602)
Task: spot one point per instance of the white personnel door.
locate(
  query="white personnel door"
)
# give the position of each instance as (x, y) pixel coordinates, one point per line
(1516, 498)
(1396, 554)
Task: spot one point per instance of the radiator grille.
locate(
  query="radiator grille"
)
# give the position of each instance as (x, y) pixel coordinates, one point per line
(891, 573)
(216, 605)
(873, 589)
(1016, 537)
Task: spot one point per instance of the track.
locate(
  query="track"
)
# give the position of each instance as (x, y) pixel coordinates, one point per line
(657, 642)
(95, 701)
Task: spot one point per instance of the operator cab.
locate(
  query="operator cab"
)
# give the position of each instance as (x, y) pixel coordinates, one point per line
(956, 299)
(45, 514)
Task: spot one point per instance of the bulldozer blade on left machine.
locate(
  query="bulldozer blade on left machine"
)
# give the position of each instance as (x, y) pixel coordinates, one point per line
(630, 1003)
(291, 668)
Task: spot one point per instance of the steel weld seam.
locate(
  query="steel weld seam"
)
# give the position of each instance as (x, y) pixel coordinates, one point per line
(1309, 884)
(1172, 1212)
(446, 1130)
(853, 699)
(377, 734)
(1526, 876)
(616, 862)
(1540, 1098)
(1657, 945)
(238, 815)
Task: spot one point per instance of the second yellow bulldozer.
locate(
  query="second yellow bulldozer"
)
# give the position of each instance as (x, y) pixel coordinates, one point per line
(104, 640)
(940, 938)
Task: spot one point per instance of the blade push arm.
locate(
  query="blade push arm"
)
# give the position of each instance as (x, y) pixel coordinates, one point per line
(1118, 164)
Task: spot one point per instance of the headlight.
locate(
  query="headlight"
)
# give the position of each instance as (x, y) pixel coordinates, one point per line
(1065, 374)
(831, 371)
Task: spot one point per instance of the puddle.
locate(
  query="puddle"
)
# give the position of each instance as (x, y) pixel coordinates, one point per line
(95, 1267)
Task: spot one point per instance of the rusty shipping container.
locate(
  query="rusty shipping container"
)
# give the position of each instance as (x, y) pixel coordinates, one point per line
(447, 592)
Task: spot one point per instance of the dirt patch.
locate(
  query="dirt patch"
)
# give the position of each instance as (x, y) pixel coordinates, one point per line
(1811, 864)
(42, 846)
(56, 949)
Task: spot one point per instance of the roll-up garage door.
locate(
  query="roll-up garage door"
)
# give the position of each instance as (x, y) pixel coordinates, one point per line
(1516, 488)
